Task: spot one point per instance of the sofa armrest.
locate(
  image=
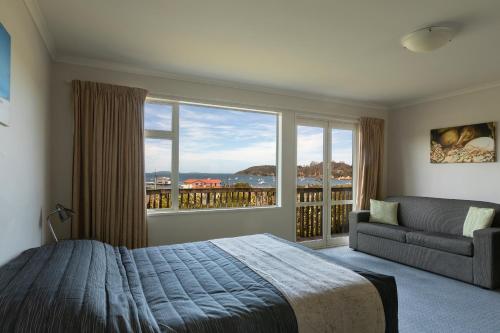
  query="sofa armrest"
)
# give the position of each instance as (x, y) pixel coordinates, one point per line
(486, 262)
(354, 218)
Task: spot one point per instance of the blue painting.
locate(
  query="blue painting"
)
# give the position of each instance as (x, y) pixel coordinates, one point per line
(4, 76)
(4, 64)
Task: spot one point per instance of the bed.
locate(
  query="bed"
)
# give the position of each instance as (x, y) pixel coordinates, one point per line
(257, 283)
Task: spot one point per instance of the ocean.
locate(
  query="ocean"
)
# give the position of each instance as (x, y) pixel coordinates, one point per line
(229, 179)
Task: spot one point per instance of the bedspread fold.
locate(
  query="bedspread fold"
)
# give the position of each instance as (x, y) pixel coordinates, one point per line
(325, 297)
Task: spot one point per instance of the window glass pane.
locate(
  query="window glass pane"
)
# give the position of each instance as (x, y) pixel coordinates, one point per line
(309, 217)
(342, 175)
(309, 164)
(158, 167)
(157, 116)
(341, 157)
(227, 158)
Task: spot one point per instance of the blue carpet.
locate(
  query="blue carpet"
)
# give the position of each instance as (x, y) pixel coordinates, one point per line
(430, 302)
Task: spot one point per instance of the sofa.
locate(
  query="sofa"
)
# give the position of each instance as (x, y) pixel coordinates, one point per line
(429, 236)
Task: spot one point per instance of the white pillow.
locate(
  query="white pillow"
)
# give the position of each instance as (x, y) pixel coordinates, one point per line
(477, 218)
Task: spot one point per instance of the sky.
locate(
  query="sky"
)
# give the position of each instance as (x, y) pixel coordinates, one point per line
(310, 145)
(214, 140)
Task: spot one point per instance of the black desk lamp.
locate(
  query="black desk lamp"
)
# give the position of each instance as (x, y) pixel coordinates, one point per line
(64, 214)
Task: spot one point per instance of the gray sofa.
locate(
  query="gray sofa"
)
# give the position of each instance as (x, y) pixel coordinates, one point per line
(429, 236)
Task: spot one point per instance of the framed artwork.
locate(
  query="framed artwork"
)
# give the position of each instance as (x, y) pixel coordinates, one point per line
(5, 54)
(464, 144)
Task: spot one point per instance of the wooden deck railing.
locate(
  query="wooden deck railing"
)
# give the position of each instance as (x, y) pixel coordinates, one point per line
(308, 218)
(204, 198)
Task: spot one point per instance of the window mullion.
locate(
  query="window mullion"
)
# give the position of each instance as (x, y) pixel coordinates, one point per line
(175, 157)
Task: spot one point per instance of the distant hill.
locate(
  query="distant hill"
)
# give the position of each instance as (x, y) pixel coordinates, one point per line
(158, 174)
(259, 170)
(312, 170)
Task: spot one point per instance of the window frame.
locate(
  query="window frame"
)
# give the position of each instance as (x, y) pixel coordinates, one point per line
(174, 136)
(353, 127)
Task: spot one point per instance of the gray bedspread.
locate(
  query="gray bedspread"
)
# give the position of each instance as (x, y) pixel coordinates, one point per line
(88, 286)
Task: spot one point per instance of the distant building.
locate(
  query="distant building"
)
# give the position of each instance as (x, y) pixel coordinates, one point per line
(159, 183)
(163, 181)
(202, 183)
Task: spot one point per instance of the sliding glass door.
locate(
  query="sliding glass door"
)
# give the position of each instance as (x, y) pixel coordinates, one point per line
(323, 202)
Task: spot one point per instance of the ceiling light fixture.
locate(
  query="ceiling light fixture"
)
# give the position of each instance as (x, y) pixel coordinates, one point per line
(428, 39)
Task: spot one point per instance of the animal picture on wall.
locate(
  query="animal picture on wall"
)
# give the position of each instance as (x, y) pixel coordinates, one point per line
(464, 144)
(4, 75)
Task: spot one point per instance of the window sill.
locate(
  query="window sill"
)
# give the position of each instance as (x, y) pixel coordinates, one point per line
(161, 212)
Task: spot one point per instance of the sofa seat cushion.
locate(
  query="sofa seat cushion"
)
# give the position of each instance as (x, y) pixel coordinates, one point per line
(440, 241)
(384, 230)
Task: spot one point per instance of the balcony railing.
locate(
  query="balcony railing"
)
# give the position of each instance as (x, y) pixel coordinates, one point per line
(308, 218)
(205, 198)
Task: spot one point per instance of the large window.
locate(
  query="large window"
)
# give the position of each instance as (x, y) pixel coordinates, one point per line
(207, 157)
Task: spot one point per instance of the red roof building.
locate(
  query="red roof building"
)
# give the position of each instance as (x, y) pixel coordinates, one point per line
(202, 183)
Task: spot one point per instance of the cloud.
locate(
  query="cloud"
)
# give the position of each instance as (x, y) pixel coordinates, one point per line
(342, 148)
(229, 160)
(310, 145)
(158, 116)
(214, 140)
(219, 141)
(158, 155)
(226, 127)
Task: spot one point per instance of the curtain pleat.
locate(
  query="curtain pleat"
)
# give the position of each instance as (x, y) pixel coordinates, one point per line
(108, 164)
(370, 161)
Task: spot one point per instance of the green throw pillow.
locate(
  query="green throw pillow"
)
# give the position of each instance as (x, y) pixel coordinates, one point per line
(384, 212)
(478, 218)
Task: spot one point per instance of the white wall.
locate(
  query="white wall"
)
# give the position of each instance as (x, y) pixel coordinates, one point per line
(24, 145)
(183, 227)
(410, 171)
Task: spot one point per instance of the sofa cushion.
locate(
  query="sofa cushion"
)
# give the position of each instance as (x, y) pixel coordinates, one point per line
(389, 231)
(443, 242)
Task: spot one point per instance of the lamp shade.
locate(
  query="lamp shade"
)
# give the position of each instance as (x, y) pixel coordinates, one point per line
(428, 39)
(64, 213)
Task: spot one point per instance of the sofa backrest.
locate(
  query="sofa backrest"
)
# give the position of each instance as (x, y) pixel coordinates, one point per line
(438, 215)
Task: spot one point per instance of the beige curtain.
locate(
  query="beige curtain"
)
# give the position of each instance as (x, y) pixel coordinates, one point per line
(108, 164)
(370, 157)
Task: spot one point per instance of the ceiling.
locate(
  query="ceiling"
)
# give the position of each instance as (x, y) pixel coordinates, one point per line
(346, 49)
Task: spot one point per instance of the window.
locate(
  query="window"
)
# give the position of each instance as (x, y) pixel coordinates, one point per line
(207, 157)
